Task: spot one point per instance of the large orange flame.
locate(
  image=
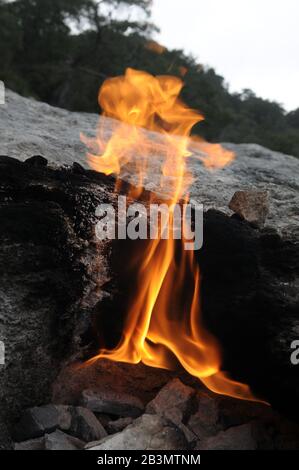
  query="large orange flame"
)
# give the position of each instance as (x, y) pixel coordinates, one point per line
(164, 322)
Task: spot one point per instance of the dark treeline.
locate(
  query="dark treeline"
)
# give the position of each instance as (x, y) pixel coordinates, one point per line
(60, 51)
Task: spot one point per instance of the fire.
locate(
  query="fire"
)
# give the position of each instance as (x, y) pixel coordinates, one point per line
(164, 323)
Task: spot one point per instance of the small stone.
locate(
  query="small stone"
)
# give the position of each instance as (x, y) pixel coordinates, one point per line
(175, 396)
(86, 426)
(58, 440)
(31, 444)
(112, 402)
(175, 402)
(205, 422)
(35, 422)
(64, 417)
(149, 432)
(252, 206)
(36, 161)
(118, 425)
(236, 438)
(175, 416)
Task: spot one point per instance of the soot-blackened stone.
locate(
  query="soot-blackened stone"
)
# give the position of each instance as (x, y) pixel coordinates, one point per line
(37, 161)
(249, 303)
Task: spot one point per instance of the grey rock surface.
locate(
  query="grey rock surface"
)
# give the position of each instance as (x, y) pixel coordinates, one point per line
(31, 128)
(149, 432)
(28, 127)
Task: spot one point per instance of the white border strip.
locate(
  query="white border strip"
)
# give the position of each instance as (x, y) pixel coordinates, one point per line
(2, 93)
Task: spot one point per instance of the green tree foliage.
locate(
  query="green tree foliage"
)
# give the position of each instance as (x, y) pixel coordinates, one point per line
(61, 51)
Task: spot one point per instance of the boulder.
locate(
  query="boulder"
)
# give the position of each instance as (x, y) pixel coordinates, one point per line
(51, 269)
(29, 127)
(54, 270)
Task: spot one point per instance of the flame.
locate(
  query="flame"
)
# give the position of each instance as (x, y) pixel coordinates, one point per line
(212, 155)
(164, 323)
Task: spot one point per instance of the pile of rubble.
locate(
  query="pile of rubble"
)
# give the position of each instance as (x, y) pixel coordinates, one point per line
(180, 417)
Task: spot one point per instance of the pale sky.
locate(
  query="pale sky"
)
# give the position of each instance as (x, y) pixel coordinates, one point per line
(251, 43)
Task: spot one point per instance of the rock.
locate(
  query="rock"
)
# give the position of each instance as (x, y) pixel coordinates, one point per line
(149, 432)
(118, 425)
(28, 127)
(175, 417)
(217, 413)
(54, 277)
(134, 379)
(50, 269)
(236, 438)
(252, 206)
(85, 425)
(111, 402)
(64, 417)
(175, 396)
(58, 440)
(31, 444)
(232, 412)
(79, 421)
(36, 161)
(35, 422)
(258, 434)
(41, 419)
(175, 402)
(205, 422)
(257, 285)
